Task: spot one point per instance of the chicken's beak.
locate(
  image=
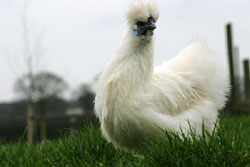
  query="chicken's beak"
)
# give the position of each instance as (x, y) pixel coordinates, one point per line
(142, 29)
(149, 26)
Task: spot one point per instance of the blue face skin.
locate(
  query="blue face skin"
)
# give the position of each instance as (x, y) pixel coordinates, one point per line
(136, 32)
(143, 27)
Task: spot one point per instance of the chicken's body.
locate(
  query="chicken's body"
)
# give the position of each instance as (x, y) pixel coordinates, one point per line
(134, 100)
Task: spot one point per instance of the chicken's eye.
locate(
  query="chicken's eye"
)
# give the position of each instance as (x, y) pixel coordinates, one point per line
(151, 19)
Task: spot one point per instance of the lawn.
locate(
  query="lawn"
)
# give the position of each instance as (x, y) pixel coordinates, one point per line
(229, 146)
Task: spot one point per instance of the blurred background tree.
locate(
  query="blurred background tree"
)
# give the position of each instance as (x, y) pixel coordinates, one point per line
(85, 97)
(47, 88)
(32, 51)
(45, 85)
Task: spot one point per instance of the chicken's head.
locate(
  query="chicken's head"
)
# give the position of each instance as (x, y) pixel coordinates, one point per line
(141, 19)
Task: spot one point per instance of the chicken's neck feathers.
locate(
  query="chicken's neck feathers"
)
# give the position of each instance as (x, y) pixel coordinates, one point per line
(132, 64)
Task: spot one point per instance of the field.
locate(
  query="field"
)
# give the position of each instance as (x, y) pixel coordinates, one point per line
(229, 146)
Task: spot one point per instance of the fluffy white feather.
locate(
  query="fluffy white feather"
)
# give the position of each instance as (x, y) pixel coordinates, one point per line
(133, 99)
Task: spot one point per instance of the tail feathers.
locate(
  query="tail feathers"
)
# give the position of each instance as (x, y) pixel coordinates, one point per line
(203, 114)
(202, 66)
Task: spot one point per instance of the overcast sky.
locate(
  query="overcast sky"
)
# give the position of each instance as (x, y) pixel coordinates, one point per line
(80, 36)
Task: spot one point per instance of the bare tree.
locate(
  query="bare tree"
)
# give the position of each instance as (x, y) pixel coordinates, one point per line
(46, 86)
(28, 61)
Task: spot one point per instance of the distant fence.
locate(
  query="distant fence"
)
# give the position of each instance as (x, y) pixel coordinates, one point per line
(239, 101)
(13, 131)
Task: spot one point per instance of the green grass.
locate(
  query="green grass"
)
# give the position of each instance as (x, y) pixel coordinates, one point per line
(230, 146)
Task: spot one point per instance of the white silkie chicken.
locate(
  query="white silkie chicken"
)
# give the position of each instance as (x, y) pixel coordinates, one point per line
(134, 100)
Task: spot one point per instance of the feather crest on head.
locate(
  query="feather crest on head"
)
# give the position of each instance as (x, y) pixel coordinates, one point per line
(141, 11)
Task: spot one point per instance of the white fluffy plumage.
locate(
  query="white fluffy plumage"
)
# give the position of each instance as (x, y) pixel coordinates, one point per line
(134, 99)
